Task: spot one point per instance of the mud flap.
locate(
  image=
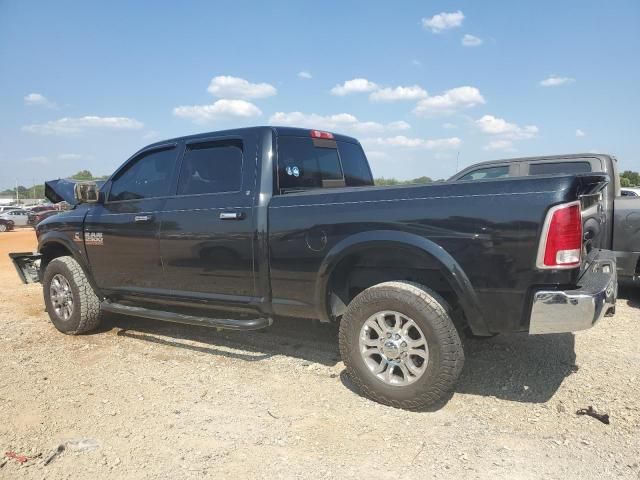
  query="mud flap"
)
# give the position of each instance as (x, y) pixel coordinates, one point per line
(27, 265)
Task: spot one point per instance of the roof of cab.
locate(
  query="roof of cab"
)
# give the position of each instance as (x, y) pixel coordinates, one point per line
(279, 131)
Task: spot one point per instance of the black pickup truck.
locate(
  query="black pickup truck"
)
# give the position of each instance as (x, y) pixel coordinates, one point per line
(615, 226)
(235, 228)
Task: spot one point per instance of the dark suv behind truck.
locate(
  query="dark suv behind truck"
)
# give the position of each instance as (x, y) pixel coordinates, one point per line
(233, 229)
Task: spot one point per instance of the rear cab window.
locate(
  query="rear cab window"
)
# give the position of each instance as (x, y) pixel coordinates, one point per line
(311, 163)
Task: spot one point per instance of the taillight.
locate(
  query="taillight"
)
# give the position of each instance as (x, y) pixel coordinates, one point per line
(320, 134)
(561, 241)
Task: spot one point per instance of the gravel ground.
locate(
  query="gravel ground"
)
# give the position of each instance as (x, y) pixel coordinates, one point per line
(166, 401)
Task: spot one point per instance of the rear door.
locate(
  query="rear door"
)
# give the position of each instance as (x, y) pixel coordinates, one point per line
(121, 235)
(207, 230)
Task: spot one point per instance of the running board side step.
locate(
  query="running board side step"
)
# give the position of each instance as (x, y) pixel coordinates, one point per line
(220, 323)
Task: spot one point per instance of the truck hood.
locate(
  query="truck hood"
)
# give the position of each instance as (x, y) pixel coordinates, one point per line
(61, 190)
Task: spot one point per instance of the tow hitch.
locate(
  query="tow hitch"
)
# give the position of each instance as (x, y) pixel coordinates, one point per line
(27, 265)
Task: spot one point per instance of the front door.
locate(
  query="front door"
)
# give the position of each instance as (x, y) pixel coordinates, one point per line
(121, 235)
(207, 229)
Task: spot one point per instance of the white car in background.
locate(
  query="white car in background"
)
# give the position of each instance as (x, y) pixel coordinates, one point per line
(19, 217)
(630, 192)
(8, 208)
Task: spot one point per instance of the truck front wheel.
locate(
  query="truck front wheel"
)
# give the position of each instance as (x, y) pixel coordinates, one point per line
(72, 304)
(400, 346)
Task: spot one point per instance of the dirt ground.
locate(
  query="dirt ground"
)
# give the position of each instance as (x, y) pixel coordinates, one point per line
(165, 401)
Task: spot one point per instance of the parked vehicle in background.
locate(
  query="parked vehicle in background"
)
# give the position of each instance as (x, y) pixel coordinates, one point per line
(271, 222)
(41, 208)
(630, 192)
(615, 226)
(5, 225)
(37, 217)
(8, 208)
(19, 217)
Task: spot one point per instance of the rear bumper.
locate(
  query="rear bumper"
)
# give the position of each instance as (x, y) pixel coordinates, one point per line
(558, 311)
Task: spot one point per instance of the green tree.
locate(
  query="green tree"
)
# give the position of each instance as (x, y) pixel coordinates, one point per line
(82, 175)
(624, 182)
(392, 181)
(633, 177)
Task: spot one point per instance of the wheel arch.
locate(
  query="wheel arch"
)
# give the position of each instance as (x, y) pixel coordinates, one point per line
(410, 254)
(55, 244)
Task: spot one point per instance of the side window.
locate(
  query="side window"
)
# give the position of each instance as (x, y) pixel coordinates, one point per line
(308, 163)
(213, 167)
(354, 164)
(147, 176)
(550, 168)
(487, 173)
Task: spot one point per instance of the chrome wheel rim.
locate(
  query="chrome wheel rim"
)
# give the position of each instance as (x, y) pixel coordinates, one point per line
(61, 297)
(394, 348)
(3, 227)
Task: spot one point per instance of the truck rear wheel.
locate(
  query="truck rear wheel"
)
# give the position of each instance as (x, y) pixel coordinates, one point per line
(400, 345)
(72, 304)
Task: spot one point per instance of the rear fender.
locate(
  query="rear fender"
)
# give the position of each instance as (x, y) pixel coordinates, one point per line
(451, 270)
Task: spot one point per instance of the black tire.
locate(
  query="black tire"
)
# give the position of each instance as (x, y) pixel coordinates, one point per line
(85, 313)
(430, 312)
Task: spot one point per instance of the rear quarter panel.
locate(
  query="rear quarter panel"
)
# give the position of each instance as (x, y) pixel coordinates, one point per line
(491, 228)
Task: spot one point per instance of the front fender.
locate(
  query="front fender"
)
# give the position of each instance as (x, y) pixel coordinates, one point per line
(451, 270)
(56, 239)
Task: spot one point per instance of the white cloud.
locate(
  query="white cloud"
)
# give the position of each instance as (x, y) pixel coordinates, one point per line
(340, 122)
(498, 126)
(220, 109)
(556, 81)
(413, 92)
(416, 63)
(225, 86)
(70, 126)
(504, 145)
(357, 85)
(398, 125)
(409, 142)
(376, 155)
(580, 133)
(38, 100)
(471, 41)
(69, 156)
(443, 21)
(450, 101)
(305, 75)
(449, 126)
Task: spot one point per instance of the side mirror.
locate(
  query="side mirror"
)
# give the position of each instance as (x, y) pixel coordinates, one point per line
(86, 192)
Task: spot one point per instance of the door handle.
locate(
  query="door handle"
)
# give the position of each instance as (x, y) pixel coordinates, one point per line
(231, 215)
(142, 218)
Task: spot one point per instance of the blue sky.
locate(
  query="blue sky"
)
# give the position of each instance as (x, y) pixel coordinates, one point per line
(85, 84)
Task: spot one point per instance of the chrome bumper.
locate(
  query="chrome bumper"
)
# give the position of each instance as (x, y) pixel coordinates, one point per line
(573, 310)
